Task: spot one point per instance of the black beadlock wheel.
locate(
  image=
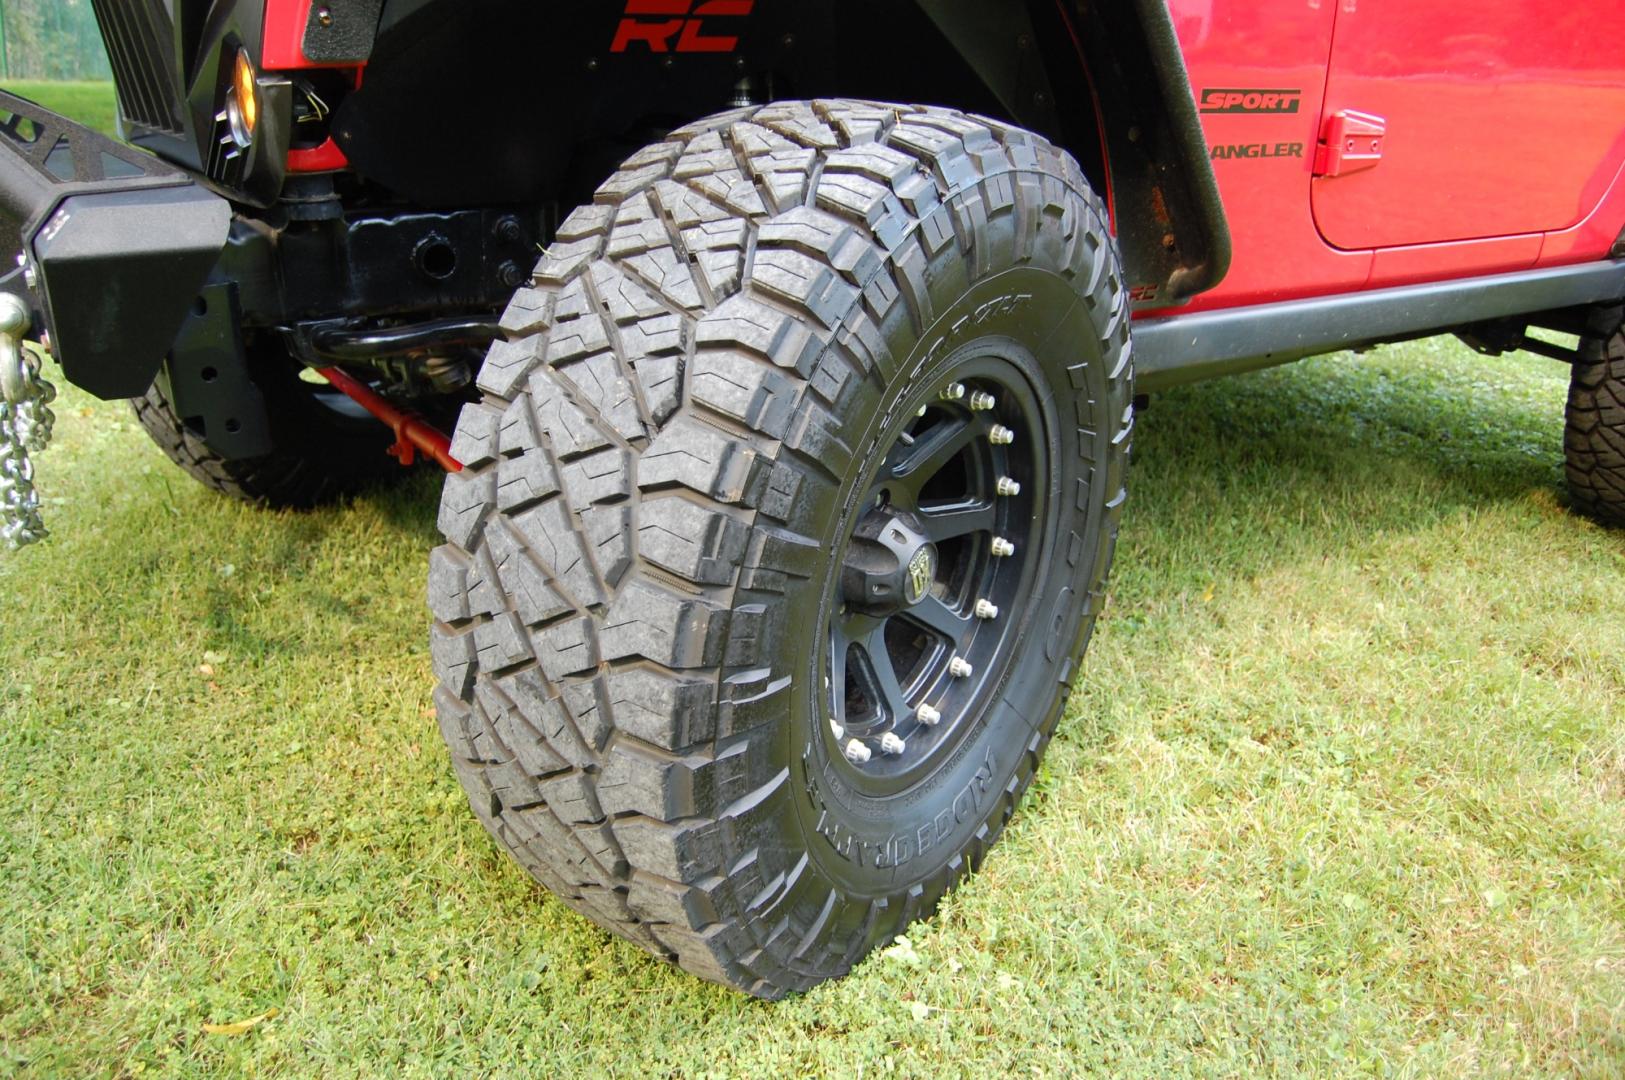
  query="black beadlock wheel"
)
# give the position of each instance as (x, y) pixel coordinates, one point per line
(941, 559)
(785, 518)
(1594, 434)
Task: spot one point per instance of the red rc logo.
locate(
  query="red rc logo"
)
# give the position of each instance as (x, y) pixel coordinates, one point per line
(684, 21)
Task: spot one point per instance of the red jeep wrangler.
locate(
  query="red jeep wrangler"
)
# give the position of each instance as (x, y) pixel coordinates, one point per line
(790, 446)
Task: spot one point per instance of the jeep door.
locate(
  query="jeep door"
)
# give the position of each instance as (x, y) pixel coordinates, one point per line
(1457, 122)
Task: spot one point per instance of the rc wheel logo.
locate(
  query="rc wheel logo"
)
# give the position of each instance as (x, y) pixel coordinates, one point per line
(922, 570)
(679, 25)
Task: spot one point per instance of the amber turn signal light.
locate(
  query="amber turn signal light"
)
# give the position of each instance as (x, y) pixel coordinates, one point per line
(243, 102)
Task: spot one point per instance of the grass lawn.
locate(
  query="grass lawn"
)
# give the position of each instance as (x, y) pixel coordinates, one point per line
(1343, 789)
(91, 103)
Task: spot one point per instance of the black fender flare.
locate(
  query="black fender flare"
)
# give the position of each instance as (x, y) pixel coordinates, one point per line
(1151, 158)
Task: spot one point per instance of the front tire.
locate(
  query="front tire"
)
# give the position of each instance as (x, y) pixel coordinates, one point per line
(730, 500)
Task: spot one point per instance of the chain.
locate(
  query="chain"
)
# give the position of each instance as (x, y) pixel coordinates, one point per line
(26, 420)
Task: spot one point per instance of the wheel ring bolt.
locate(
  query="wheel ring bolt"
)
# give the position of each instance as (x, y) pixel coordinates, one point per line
(982, 401)
(1002, 548)
(891, 745)
(1007, 486)
(954, 391)
(960, 668)
(928, 716)
(857, 753)
(1000, 435)
(985, 610)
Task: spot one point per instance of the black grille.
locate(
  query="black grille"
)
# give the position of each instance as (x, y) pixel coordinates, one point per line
(141, 48)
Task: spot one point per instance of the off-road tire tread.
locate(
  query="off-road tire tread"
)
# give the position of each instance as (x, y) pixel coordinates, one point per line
(603, 609)
(1594, 435)
(310, 475)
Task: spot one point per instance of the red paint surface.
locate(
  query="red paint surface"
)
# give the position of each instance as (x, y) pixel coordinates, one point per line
(284, 45)
(1504, 149)
(327, 157)
(1503, 118)
(1598, 232)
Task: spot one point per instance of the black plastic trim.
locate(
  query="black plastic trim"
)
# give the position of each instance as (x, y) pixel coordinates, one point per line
(1205, 345)
(348, 34)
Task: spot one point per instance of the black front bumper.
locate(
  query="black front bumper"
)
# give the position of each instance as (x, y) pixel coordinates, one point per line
(115, 245)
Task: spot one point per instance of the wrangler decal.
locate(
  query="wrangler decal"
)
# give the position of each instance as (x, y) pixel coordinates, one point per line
(1256, 150)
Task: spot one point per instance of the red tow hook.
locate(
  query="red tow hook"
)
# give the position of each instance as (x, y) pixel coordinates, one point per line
(412, 433)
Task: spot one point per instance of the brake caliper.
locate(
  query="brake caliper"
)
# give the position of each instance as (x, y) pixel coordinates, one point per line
(25, 427)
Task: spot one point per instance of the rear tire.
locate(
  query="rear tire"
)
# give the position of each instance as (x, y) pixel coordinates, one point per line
(725, 385)
(1594, 437)
(325, 447)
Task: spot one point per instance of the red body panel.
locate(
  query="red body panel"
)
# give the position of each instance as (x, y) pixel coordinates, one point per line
(327, 157)
(1504, 123)
(284, 46)
(1503, 150)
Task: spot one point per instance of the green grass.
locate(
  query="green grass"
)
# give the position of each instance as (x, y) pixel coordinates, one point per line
(90, 103)
(1342, 791)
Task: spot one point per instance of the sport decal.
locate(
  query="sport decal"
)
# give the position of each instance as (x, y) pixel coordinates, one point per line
(1225, 100)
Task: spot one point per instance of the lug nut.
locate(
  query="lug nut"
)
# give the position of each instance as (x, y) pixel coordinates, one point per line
(959, 668)
(928, 716)
(1007, 486)
(1002, 548)
(1001, 435)
(837, 729)
(953, 391)
(981, 401)
(857, 753)
(922, 411)
(985, 610)
(890, 744)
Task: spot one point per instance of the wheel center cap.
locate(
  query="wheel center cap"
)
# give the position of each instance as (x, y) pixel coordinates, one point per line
(890, 564)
